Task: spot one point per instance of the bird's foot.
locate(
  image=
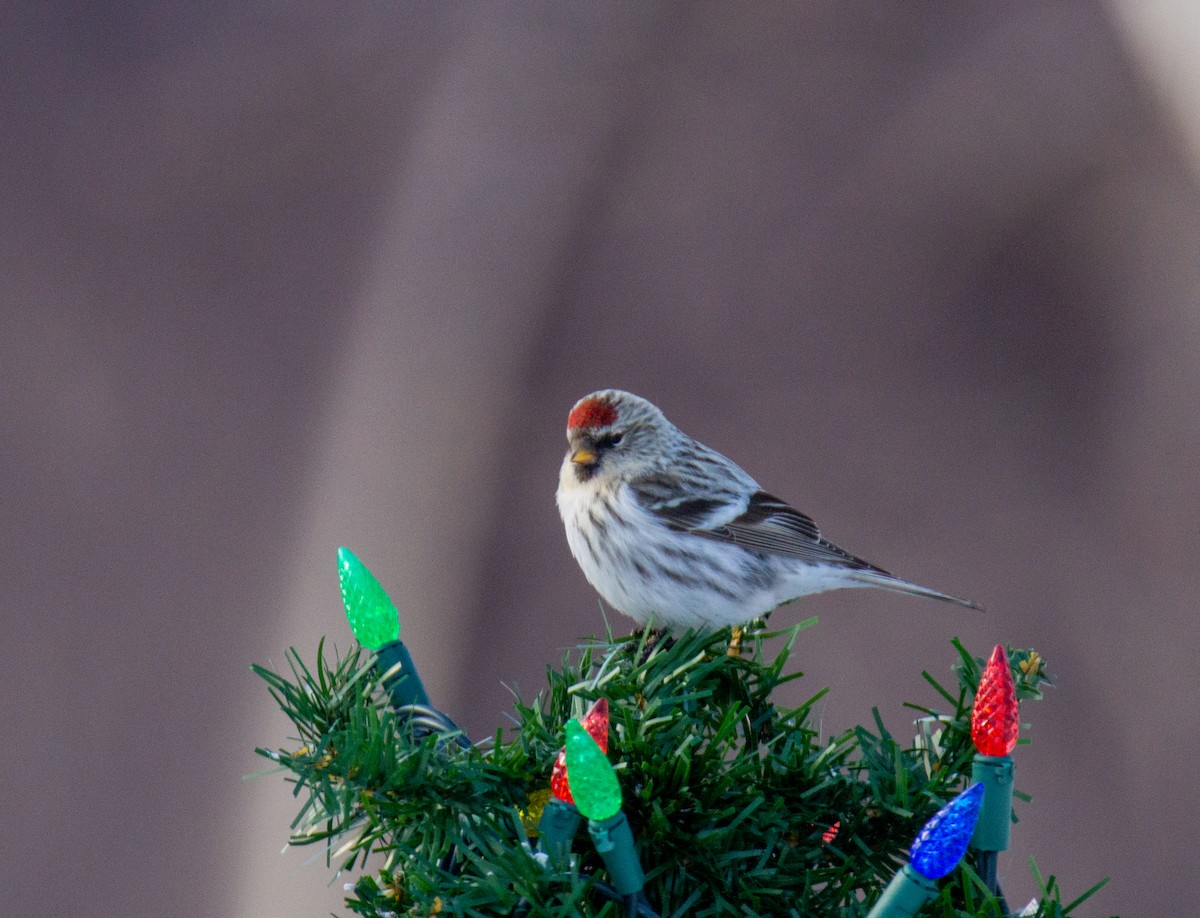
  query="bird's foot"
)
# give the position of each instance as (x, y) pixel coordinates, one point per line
(649, 641)
(735, 642)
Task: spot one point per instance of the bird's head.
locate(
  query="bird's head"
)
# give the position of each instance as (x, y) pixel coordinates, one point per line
(614, 436)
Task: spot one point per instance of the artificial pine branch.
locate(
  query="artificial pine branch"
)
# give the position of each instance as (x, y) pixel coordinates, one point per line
(731, 797)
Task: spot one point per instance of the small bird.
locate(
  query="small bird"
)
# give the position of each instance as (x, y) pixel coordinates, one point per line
(670, 531)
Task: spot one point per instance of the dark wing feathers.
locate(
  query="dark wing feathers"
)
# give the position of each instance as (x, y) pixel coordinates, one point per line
(773, 526)
(689, 515)
(767, 525)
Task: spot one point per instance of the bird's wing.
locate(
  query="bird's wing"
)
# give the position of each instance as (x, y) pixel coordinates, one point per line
(770, 525)
(702, 504)
(759, 522)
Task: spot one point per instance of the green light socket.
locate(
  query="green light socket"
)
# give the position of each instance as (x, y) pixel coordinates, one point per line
(399, 674)
(904, 896)
(993, 829)
(614, 842)
(556, 832)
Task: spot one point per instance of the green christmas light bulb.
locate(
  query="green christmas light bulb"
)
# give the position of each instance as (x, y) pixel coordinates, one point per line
(593, 782)
(373, 619)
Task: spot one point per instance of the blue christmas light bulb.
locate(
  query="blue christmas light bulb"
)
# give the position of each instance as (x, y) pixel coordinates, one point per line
(943, 841)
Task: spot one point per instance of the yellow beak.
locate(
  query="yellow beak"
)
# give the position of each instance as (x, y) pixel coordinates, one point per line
(583, 457)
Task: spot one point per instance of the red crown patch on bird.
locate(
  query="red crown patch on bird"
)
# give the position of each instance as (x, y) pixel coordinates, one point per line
(591, 412)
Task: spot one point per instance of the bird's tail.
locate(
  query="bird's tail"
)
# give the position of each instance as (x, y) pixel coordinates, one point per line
(888, 582)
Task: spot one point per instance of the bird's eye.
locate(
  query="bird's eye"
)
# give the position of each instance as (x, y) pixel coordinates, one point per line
(610, 440)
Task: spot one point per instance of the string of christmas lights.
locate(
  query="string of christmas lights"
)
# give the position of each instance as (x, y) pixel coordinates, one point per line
(584, 784)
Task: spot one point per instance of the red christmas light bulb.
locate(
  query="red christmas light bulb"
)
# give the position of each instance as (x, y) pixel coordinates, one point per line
(595, 721)
(558, 778)
(995, 718)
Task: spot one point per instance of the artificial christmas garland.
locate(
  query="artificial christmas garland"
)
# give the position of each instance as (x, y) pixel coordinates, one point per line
(726, 803)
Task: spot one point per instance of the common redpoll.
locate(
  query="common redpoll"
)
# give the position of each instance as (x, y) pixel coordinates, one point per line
(667, 529)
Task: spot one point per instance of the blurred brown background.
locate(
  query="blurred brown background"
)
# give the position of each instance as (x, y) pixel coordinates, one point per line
(279, 277)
